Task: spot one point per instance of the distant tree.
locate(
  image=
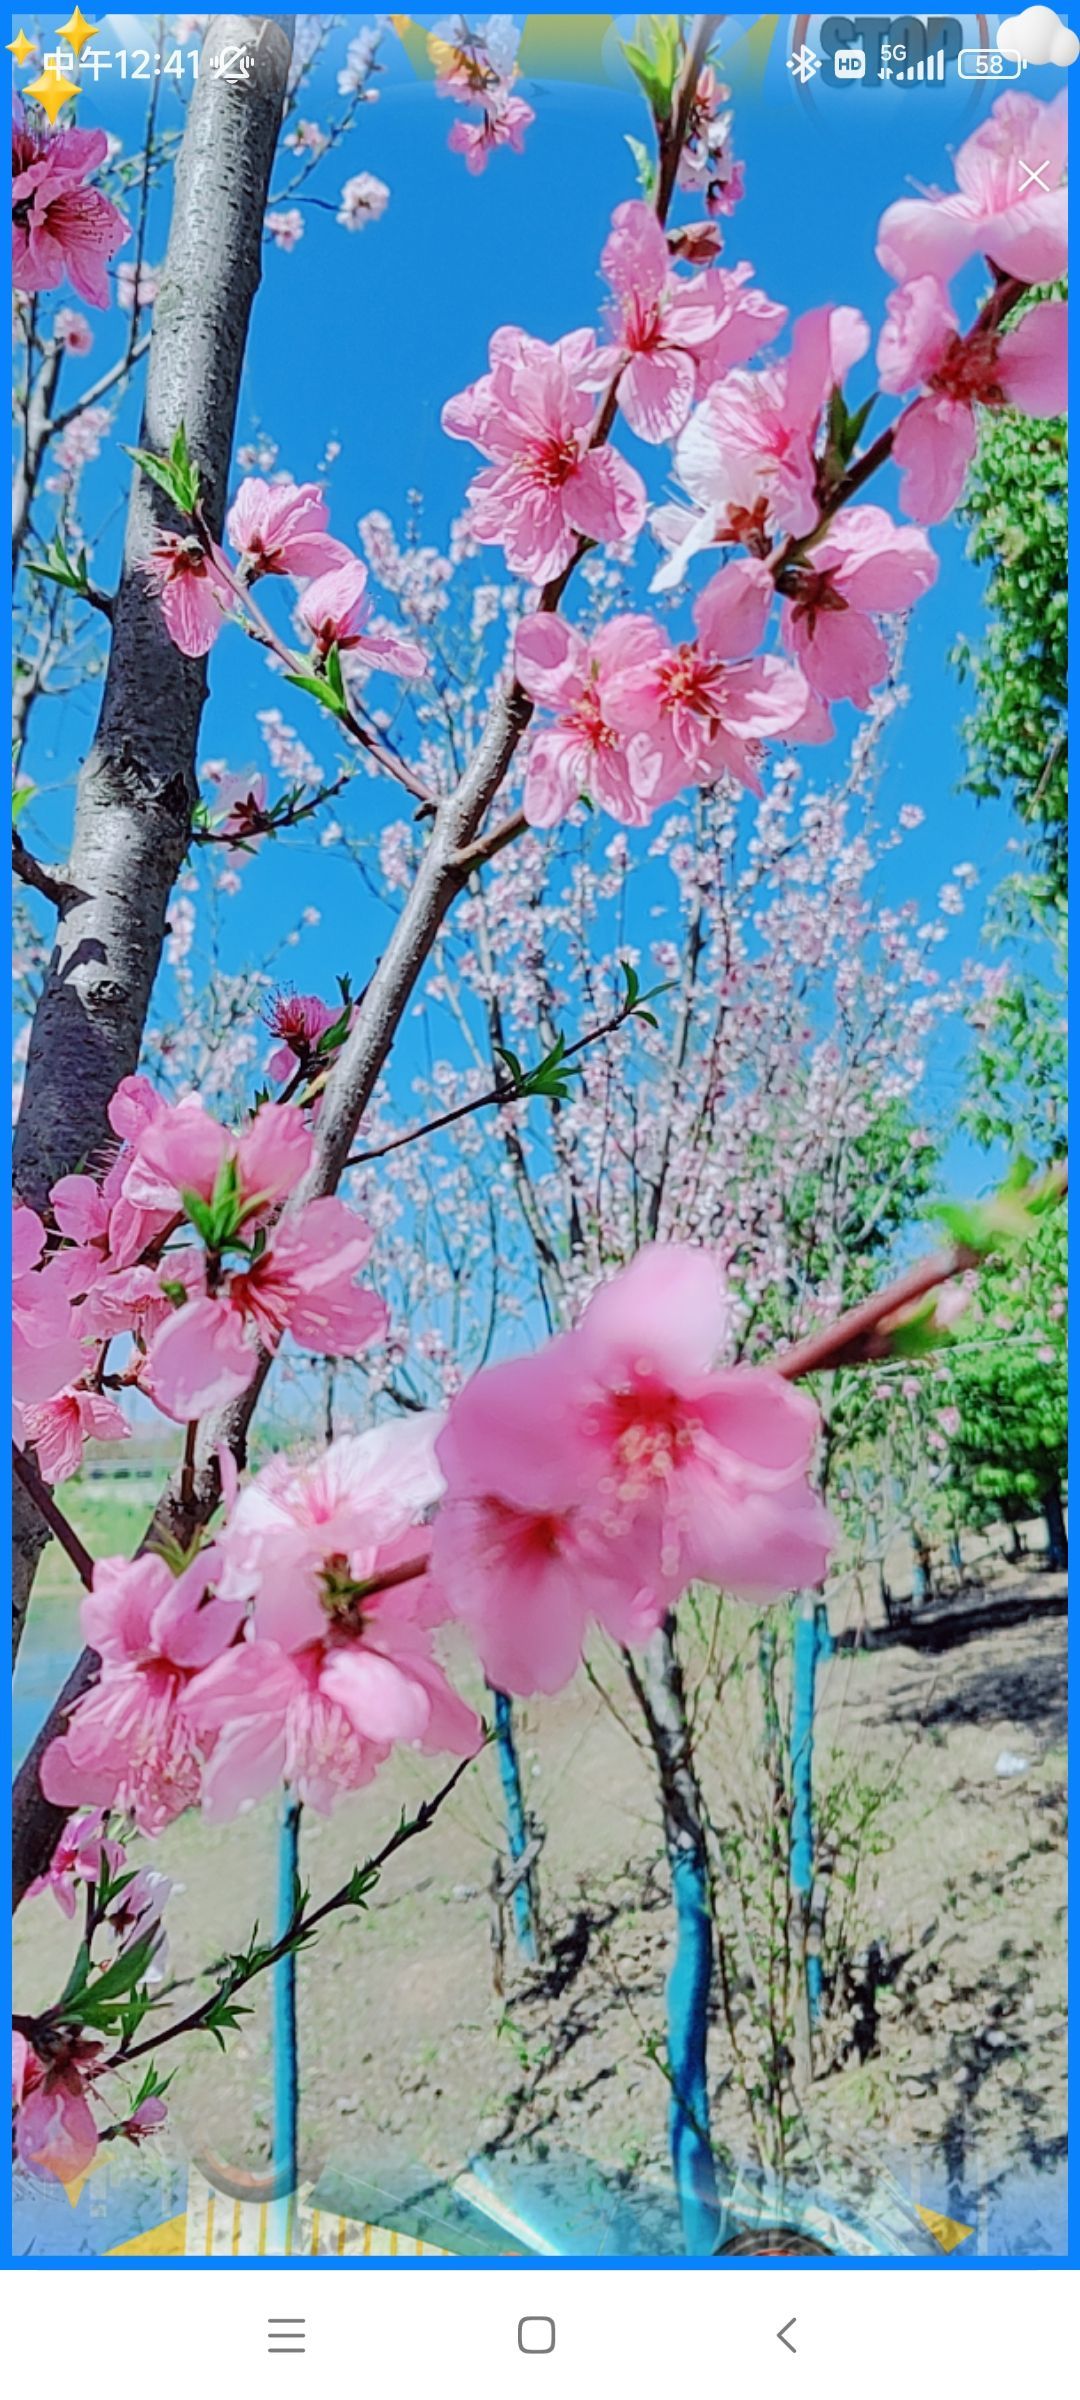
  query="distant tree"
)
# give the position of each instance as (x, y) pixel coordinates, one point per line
(1016, 735)
(1008, 1396)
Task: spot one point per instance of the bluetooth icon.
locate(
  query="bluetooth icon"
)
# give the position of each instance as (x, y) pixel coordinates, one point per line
(805, 63)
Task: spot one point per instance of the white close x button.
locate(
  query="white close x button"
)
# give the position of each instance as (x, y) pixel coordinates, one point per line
(1033, 175)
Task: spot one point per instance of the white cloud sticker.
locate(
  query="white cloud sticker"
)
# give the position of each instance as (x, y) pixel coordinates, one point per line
(1038, 38)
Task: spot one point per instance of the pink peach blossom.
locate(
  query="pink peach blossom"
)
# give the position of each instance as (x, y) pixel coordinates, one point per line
(55, 2133)
(303, 1282)
(936, 439)
(337, 610)
(996, 211)
(503, 126)
(184, 1149)
(323, 1719)
(297, 1020)
(747, 321)
(148, 2118)
(660, 326)
(864, 564)
(533, 416)
(747, 456)
(336, 1672)
(61, 1427)
(74, 331)
(194, 590)
(83, 1848)
(348, 1504)
(280, 529)
(617, 1462)
(60, 224)
(364, 199)
(127, 1745)
(198, 1360)
(46, 1353)
(699, 714)
(584, 751)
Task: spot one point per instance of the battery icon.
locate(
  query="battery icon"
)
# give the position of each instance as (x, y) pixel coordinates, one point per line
(987, 66)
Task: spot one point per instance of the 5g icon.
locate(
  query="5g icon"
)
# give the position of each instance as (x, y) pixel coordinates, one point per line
(902, 50)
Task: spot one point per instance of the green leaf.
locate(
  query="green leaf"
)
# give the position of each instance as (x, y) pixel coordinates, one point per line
(513, 1066)
(175, 475)
(550, 1080)
(644, 164)
(201, 1216)
(57, 567)
(322, 691)
(20, 800)
(334, 677)
(362, 1881)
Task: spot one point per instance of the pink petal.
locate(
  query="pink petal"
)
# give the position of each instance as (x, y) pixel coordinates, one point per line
(1033, 360)
(635, 256)
(666, 1314)
(733, 611)
(844, 656)
(656, 393)
(935, 443)
(198, 1360)
(383, 1703)
(550, 660)
(920, 321)
(607, 497)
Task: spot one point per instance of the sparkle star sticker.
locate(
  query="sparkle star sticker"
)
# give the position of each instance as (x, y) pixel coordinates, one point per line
(51, 89)
(76, 33)
(21, 49)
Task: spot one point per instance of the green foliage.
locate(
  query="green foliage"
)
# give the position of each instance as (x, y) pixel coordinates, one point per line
(1010, 1218)
(1017, 1079)
(57, 567)
(326, 684)
(1008, 1382)
(1016, 736)
(548, 1081)
(175, 474)
(654, 58)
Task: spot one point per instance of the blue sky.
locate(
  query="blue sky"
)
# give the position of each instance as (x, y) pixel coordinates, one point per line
(359, 339)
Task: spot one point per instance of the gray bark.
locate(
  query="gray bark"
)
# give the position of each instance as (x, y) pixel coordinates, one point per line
(137, 789)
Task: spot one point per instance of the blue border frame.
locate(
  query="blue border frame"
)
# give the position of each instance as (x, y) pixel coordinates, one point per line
(966, 2265)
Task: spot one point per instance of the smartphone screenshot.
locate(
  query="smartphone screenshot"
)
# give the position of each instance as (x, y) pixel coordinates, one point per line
(539, 1499)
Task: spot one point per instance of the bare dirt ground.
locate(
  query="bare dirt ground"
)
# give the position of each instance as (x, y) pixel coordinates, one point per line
(944, 2039)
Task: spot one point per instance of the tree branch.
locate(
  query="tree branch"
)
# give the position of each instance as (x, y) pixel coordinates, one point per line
(298, 1932)
(42, 879)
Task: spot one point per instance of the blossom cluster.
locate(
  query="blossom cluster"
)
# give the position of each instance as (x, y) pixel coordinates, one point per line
(61, 223)
(276, 529)
(594, 1479)
(761, 455)
(476, 66)
(55, 2130)
(183, 1250)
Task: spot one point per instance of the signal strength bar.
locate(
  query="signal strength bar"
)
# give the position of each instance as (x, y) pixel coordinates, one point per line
(925, 70)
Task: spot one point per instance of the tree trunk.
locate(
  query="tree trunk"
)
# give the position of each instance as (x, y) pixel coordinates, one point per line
(137, 788)
(1058, 1550)
(657, 1683)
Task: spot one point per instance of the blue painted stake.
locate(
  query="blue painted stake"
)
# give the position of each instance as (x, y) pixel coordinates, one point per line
(688, 1990)
(812, 1641)
(517, 1829)
(283, 2008)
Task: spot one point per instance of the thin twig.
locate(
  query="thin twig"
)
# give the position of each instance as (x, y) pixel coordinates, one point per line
(26, 1473)
(501, 1095)
(300, 1928)
(42, 879)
